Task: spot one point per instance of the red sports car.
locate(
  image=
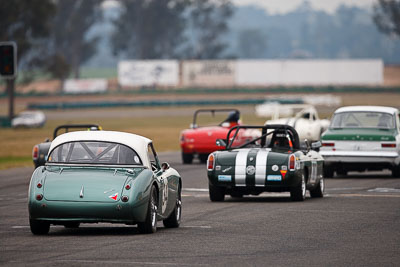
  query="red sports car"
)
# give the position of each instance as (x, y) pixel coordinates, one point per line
(200, 141)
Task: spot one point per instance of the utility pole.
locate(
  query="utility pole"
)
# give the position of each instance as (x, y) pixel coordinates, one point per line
(10, 92)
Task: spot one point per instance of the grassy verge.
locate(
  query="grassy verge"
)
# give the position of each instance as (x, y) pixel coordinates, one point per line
(15, 161)
(163, 129)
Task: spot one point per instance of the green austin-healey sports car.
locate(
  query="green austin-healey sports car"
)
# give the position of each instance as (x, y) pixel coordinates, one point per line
(272, 162)
(103, 176)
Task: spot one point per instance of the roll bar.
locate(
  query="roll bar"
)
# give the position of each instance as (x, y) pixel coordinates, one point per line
(75, 126)
(264, 133)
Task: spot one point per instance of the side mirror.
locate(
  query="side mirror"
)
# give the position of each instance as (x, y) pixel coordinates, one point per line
(164, 166)
(220, 142)
(316, 145)
(46, 140)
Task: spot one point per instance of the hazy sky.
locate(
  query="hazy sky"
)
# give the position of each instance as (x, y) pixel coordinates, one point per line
(283, 6)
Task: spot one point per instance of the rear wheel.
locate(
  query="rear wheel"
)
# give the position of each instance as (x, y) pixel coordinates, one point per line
(39, 227)
(319, 190)
(396, 171)
(149, 226)
(187, 158)
(298, 193)
(328, 171)
(203, 158)
(174, 220)
(216, 193)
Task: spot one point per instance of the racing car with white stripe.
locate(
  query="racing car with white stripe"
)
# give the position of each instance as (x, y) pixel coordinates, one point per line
(272, 162)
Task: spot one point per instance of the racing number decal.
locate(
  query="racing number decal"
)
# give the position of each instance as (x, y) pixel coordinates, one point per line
(164, 199)
(313, 171)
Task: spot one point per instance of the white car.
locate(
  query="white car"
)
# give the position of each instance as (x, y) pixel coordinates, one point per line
(362, 138)
(29, 119)
(306, 121)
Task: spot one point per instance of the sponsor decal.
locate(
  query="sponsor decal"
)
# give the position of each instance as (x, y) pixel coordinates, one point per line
(283, 172)
(274, 178)
(251, 158)
(227, 169)
(250, 170)
(224, 178)
(218, 168)
(275, 168)
(114, 196)
(284, 167)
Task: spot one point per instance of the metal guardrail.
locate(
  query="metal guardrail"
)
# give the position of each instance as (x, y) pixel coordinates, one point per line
(155, 103)
(278, 89)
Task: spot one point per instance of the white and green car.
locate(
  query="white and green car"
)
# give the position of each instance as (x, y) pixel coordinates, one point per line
(362, 138)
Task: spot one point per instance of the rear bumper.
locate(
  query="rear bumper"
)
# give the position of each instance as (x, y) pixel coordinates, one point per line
(88, 212)
(290, 180)
(390, 157)
(191, 148)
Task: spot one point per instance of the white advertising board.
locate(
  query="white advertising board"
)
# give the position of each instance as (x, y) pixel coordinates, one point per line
(80, 86)
(218, 73)
(309, 72)
(135, 73)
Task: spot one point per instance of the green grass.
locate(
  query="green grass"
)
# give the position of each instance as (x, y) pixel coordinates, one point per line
(163, 129)
(12, 162)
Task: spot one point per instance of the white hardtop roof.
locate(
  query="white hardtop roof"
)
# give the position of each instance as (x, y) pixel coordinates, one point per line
(136, 142)
(367, 108)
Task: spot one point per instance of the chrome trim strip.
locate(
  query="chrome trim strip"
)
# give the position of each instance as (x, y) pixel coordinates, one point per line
(93, 165)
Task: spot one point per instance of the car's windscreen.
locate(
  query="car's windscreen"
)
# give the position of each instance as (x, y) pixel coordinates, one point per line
(94, 152)
(363, 120)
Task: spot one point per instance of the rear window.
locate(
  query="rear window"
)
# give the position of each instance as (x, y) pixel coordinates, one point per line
(363, 120)
(91, 152)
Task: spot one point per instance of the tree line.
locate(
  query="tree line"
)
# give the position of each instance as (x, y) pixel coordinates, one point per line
(53, 36)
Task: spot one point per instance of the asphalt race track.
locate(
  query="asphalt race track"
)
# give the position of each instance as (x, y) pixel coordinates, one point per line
(356, 224)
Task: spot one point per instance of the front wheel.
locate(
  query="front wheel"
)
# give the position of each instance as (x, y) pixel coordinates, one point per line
(298, 193)
(319, 190)
(216, 193)
(174, 220)
(187, 158)
(39, 227)
(149, 226)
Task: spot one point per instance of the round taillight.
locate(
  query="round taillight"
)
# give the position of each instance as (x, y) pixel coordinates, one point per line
(39, 197)
(128, 186)
(124, 198)
(39, 185)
